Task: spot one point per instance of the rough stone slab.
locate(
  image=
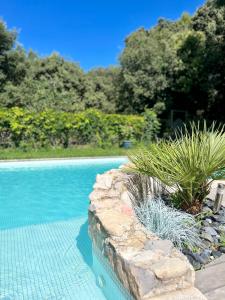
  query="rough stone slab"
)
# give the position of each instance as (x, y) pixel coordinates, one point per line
(161, 245)
(170, 268)
(218, 294)
(211, 278)
(115, 223)
(186, 294)
(217, 261)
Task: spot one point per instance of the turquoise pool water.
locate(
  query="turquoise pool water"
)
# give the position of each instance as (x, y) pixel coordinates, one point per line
(45, 251)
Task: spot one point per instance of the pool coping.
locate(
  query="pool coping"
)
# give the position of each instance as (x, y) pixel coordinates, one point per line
(59, 158)
(148, 267)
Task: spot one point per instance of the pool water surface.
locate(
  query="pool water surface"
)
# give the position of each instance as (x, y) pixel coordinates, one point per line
(45, 251)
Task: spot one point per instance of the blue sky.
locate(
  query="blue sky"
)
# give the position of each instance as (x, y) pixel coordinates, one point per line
(90, 32)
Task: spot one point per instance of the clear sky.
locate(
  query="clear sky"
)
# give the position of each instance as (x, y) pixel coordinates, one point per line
(90, 32)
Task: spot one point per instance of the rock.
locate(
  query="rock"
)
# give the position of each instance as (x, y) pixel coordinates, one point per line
(216, 254)
(210, 230)
(169, 268)
(222, 249)
(216, 224)
(187, 252)
(126, 209)
(126, 199)
(209, 203)
(205, 223)
(222, 212)
(163, 245)
(115, 223)
(146, 258)
(208, 220)
(219, 218)
(206, 209)
(187, 294)
(205, 256)
(202, 258)
(103, 182)
(206, 244)
(198, 258)
(145, 279)
(206, 236)
(92, 207)
(196, 264)
(221, 228)
(215, 240)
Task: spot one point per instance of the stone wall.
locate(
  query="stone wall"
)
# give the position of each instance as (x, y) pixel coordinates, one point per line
(148, 267)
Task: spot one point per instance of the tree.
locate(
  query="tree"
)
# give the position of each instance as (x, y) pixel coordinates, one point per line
(7, 40)
(148, 63)
(102, 91)
(49, 82)
(176, 65)
(210, 20)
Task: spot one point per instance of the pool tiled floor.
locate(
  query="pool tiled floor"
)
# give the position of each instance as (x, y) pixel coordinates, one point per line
(43, 262)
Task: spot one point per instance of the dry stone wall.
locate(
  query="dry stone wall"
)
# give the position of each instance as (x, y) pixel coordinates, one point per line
(148, 267)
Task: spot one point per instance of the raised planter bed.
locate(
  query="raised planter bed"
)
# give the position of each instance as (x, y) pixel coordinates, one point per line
(148, 267)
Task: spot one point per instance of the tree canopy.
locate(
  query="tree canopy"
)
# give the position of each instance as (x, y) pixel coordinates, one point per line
(177, 65)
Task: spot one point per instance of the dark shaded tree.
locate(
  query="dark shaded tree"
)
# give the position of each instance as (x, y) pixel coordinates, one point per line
(102, 89)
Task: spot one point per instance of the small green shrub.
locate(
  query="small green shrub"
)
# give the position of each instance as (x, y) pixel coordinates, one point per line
(152, 125)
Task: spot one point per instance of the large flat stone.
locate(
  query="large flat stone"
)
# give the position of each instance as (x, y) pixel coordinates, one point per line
(217, 261)
(218, 294)
(114, 222)
(186, 294)
(103, 181)
(145, 280)
(169, 268)
(211, 278)
(162, 245)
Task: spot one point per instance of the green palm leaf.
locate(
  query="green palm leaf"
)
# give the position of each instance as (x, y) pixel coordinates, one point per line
(189, 163)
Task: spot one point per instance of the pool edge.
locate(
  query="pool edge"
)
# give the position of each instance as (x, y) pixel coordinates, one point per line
(61, 158)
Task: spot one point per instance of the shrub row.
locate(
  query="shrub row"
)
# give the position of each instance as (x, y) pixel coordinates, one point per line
(26, 129)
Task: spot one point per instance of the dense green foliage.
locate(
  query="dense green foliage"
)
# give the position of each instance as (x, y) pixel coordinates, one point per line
(26, 129)
(179, 65)
(187, 164)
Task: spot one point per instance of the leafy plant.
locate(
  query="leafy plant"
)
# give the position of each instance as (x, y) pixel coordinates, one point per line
(168, 223)
(187, 164)
(49, 128)
(222, 240)
(152, 125)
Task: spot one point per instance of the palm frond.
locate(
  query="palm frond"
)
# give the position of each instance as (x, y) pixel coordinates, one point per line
(186, 163)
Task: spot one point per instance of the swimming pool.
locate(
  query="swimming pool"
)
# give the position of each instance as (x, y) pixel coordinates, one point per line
(45, 251)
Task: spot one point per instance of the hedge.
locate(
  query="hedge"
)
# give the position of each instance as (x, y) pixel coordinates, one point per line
(22, 128)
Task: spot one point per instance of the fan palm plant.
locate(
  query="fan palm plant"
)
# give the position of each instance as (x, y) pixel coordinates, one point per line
(188, 164)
